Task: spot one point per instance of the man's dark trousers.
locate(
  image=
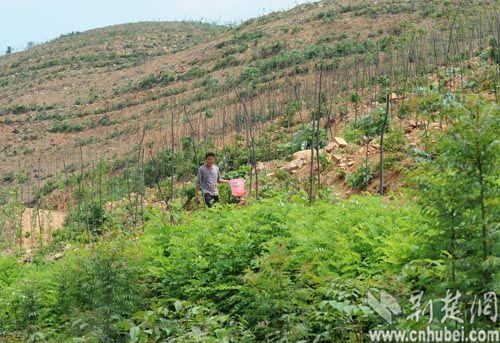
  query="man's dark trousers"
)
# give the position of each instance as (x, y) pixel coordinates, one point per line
(210, 199)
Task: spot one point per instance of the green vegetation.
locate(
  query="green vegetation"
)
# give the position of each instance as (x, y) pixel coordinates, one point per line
(360, 178)
(154, 80)
(226, 270)
(138, 259)
(174, 91)
(100, 286)
(459, 192)
(66, 126)
(235, 49)
(249, 37)
(326, 16)
(271, 49)
(229, 61)
(193, 73)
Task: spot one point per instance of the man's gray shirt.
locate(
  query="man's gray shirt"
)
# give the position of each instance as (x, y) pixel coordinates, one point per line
(208, 178)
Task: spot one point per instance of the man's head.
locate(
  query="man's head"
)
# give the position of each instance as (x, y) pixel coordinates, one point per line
(209, 159)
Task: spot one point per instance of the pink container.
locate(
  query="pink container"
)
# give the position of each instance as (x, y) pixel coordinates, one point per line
(237, 187)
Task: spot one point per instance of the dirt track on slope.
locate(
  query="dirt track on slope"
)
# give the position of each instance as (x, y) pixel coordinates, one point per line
(38, 226)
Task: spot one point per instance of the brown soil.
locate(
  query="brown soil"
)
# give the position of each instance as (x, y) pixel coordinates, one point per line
(38, 226)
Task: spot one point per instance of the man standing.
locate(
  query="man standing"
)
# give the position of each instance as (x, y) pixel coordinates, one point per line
(208, 180)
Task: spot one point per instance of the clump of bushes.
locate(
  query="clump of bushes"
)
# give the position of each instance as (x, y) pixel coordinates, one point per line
(174, 91)
(302, 138)
(84, 295)
(66, 126)
(326, 16)
(283, 60)
(271, 49)
(236, 49)
(193, 73)
(249, 37)
(360, 178)
(271, 260)
(154, 80)
(371, 125)
(229, 61)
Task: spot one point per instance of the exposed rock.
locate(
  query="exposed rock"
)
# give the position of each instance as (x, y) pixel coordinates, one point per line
(435, 126)
(260, 166)
(331, 146)
(292, 166)
(303, 155)
(340, 142)
(58, 256)
(336, 157)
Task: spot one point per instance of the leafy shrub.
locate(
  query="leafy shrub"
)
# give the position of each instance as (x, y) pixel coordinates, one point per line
(291, 110)
(236, 49)
(250, 73)
(396, 140)
(95, 216)
(385, 43)
(47, 188)
(371, 125)
(189, 191)
(183, 321)
(193, 73)
(10, 271)
(229, 61)
(66, 126)
(360, 178)
(249, 36)
(280, 61)
(271, 49)
(84, 295)
(343, 48)
(241, 172)
(89, 218)
(154, 80)
(275, 260)
(319, 51)
(9, 177)
(210, 82)
(325, 16)
(19, 109)
(49, 116)
(457, 187)
(174, 91)
(302, 138)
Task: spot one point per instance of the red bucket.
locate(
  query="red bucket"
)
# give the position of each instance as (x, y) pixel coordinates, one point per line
(237, 187)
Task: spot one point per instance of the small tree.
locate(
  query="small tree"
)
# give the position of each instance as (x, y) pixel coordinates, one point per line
(458, 190)
(10, 215)
(355, 99)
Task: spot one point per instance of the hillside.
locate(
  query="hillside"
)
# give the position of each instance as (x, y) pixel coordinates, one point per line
(99, 89)
(366, 133)
(59, 81)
